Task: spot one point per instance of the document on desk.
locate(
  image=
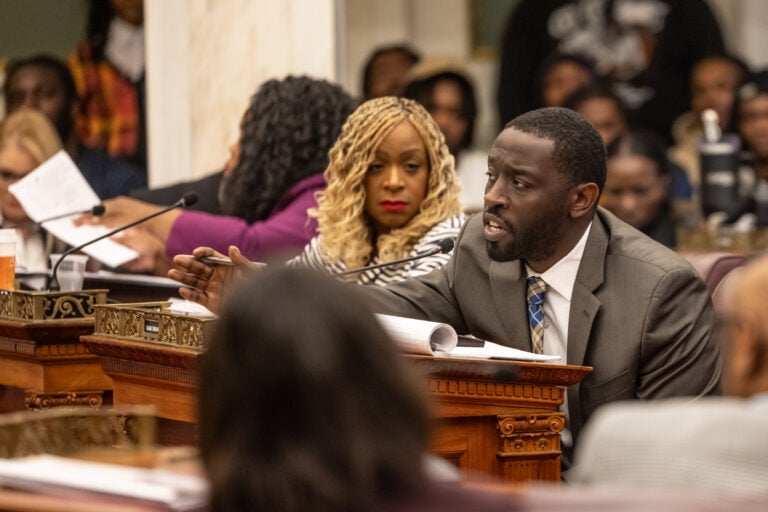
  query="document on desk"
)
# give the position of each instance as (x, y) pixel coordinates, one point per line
(57, 187)
(176, 491)
(440, 340)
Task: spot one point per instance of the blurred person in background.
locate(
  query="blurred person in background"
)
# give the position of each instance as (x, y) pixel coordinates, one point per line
(386, 69)
(108, 69)
(446, 91)
(27, 139)
(715, 79)
(637, 185)
(44, 83)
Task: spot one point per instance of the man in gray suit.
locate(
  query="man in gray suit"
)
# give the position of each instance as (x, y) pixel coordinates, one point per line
(713, 445)
(602, 294)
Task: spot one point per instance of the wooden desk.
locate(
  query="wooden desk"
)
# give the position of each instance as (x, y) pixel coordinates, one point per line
(46, 361)
(499, 417)
(496, 417)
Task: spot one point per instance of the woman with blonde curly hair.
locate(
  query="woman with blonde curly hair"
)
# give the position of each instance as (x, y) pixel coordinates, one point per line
(392, 192)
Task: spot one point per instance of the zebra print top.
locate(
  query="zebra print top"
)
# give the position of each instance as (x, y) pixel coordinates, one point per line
(449, 228)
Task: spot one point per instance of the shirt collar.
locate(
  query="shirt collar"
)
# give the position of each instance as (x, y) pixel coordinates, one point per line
(561, 276)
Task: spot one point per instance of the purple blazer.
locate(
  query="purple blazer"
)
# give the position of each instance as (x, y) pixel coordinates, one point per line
(282, 235)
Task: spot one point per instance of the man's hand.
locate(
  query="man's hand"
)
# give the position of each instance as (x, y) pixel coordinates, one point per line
(208, 283)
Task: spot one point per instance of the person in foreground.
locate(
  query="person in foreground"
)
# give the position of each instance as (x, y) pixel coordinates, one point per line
(334, 421)
(613, 299)
(392, 193)
(712, 446)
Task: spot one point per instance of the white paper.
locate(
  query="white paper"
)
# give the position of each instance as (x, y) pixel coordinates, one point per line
(436, 339)
(57, 187)
(491, 350)
(419, 336)
(160, 486)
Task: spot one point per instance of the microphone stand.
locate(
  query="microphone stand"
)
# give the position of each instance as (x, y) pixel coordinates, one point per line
(442, 246)
(53, 281)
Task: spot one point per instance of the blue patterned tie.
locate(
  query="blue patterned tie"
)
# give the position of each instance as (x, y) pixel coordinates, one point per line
(537, 290)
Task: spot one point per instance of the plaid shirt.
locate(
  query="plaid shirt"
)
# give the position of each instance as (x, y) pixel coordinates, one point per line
(109, 117)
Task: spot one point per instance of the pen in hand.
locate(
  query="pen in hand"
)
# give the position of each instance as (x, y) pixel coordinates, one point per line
(217, 260)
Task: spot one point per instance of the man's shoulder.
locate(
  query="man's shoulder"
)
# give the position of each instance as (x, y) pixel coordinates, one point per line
(633, 248)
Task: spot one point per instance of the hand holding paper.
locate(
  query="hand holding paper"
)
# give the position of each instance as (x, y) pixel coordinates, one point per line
(57, 187)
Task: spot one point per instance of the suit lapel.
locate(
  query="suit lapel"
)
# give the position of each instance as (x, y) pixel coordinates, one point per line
(584, 304)
(584, 308)
(508, 288)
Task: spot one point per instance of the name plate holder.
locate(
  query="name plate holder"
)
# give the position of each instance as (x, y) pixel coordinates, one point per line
(35, 306)
(152, 322)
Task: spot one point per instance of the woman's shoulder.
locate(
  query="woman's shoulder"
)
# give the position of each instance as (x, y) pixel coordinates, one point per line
(447, 228)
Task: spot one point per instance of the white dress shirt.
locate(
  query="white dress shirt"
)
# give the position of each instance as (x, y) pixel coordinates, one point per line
(560, 279)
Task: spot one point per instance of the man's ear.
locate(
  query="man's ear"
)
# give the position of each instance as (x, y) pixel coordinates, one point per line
(584, 198)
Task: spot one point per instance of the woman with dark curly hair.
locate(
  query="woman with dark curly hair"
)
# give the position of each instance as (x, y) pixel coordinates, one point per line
(392, 193)
(285, 137)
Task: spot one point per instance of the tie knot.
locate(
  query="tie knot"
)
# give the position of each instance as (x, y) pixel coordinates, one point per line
(537, 289)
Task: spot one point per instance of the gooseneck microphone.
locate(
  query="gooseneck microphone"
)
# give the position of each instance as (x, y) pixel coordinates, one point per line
(97, 211)
(188, 199)
(443, 246)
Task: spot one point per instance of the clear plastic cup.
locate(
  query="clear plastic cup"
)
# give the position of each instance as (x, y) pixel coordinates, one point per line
(7, 258)
(71, 271)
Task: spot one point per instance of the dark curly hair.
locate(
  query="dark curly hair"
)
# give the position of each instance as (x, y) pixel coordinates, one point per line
(579, 152)
(285, 137)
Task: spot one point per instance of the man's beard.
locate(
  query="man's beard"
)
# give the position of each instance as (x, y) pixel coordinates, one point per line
(536, 242)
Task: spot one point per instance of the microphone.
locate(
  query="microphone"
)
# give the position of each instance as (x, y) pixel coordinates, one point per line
(443, 246)
(97, 210)
(188, 199)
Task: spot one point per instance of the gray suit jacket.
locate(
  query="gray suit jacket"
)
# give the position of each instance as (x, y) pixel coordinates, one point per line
(640, 314)
(713, 445)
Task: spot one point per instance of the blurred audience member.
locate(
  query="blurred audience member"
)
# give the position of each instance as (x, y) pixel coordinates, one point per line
(27, 139)
(714, 82)
(447, 93)
(386, 69)
(561, 75)
(750, 116)
(646, 48)
(637, 185)
(44, 83)
(335, 420)
(710, 445)
(602, 108)
(285, 137)
(607, 113)
(392, 193)
(108, 68)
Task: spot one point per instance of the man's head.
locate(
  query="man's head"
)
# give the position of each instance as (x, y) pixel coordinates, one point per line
(602, 108)
(751, 115)
(43, 83)
(745, 330)
(714, 82)
(638, 179)
(386, 69)
(545, 173)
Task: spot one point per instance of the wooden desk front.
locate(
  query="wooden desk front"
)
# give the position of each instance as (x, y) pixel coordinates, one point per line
(496, 417)
(47, 361)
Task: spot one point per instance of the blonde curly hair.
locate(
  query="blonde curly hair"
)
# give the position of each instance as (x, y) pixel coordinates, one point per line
(346, 232)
